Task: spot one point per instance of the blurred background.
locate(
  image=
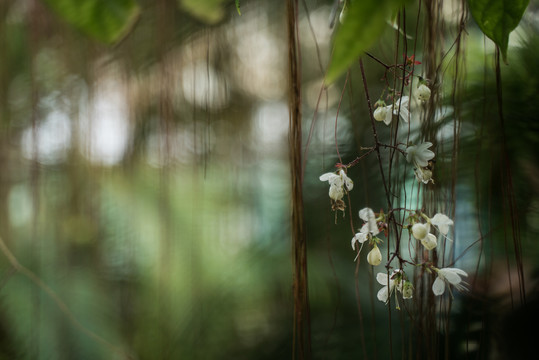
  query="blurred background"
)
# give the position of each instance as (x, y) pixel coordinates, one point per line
(145, 181)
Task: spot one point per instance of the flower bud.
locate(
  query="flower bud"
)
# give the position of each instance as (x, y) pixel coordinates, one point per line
(420, 231)
(380, 113)
(407, 290)
(423, 92)
(374, 257)
(429, 242)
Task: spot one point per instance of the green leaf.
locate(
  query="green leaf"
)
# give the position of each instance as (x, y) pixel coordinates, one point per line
(208, 11)
(363, 25)
(497, 18)
(105, 20)
(238, 6)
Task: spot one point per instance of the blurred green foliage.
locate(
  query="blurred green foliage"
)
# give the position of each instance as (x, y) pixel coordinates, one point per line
(105, 20)
(177, 245)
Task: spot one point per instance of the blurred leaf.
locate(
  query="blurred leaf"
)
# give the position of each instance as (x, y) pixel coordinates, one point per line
(208, 11)
(104, 20)
(497, 18)
(363, 24)
(238, 6)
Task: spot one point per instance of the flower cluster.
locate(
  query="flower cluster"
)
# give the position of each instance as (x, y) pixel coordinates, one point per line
(421, 231)
(427, 231)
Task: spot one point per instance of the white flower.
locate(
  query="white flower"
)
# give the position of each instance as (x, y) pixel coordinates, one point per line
(442, 222)
(374, 257)
(369, 228)
(368, 216)
(337, 182)
(423, 92)
(451, 276)
(385, 113)
(404, 105)
(419, 155)
(396, 280)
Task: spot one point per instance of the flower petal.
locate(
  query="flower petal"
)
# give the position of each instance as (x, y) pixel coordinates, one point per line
(389, 115)
(368, 216)
(349, 183)
(452, 277)
(443, 222)
(383, 294)
(382, 278)
(326, 176)
(365, 214)
(438, 287)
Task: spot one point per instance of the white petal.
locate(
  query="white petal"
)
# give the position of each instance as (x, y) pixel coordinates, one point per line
(326, 176)
(380, 113)
(452, 274)
(363, 236)
(382, 278)
(452, 277)
(443, 222)
(383, 294)
(349, 183)
(368, 216)
(389, 115)
(365, 214)
(411, 153)
(438, 287)
(336, 192)
(354, 240)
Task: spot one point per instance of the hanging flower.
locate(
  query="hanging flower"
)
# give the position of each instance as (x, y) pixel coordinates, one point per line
(369, 228)
(423, 92)
(337, 182)
(422, 233)
(451, 276)
(442, 222)
(385, 113)
(374, 257)
(419, 155)
(397, 280)
(367, 215)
